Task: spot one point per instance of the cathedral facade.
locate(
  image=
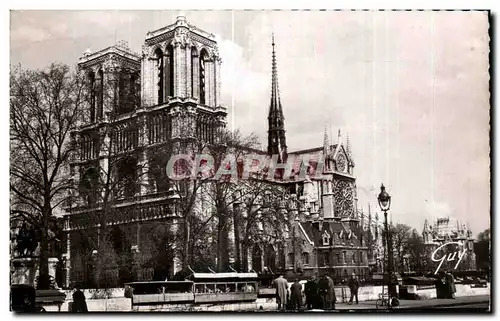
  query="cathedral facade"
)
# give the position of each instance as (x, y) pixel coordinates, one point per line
(169, 95)
(448, 235)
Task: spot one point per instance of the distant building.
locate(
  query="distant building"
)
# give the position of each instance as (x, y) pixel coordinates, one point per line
(446, 230)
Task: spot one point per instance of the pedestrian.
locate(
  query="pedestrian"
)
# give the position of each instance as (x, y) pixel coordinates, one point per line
(331, 293)
(353, 287)
(296, 295)
(281, 285)
(311, 292)
(323, 292)
(451, 284)
(79, 303)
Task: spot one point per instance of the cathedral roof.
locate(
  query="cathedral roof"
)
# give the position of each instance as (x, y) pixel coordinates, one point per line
(335, 230)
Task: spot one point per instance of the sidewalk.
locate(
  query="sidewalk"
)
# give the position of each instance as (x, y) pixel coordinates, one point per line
(420, 304)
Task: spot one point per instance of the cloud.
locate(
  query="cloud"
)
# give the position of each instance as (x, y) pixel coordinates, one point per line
(29, 33)
(436, 210)
(241, 84)
(104, 19)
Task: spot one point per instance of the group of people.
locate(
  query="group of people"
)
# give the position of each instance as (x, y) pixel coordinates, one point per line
(319, 293)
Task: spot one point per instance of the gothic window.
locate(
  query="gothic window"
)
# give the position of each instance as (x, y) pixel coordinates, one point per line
(89, 146)
(160, 74)
(344, 256)
(134, 91)
(360, 257)
(92, 96)
(194, 72)
(89, 185)
(305, 258)
(326, 238)
(100, 94)
(290, 259)
(338, 258)
(203, 78)
(169, 71)
(125, 103)
(354, 258)
(127, 177)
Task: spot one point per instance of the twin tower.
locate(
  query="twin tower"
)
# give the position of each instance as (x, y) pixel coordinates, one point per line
(178, 74)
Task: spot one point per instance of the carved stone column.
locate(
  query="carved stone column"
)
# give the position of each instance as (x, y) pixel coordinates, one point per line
(144, 168)
(218, 62)
(209, 75)
(187, 65)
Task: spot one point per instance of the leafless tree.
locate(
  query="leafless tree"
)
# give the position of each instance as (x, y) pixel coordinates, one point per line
(45, 107)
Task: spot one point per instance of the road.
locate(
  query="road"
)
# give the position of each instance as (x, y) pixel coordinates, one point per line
(472, 303)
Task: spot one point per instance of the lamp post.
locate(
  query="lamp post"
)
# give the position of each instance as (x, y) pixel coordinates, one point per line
(384, 201)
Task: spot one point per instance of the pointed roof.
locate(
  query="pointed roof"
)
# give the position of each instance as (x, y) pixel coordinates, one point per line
(325, 142)
(426, 226)
(275, 109)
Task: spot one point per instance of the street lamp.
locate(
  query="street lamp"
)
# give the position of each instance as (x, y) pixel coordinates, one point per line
(384, 201)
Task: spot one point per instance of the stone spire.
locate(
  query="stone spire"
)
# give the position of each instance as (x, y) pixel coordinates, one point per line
(276, 130)
(326, 143)
(426, 226)
(339, 136)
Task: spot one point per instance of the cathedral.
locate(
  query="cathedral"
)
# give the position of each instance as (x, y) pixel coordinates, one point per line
(447, 230)
(169, 95)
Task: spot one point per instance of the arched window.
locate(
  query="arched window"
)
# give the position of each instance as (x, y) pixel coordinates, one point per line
(169, 72)
(203, 78)
(92, 96)
(127, 177)
(100, 94)
(194, 72)
(160, 74)
(89, 186)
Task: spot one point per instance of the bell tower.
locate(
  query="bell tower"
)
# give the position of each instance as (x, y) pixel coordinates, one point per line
(181, 78)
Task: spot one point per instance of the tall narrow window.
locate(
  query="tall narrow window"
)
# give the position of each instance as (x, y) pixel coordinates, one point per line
(203, 57)
(121, 108)
(194, 72)
(92, 96)
(159, 70)
(100, 94)
(133, 93)
(169, 72)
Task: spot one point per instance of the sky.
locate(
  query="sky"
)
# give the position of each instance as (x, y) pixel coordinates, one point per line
(411, 89)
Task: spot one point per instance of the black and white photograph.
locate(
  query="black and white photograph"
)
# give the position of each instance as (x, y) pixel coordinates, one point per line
(272, 161)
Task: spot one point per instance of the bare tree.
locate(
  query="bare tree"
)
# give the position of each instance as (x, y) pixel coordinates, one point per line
(45, 106)
(400, 235)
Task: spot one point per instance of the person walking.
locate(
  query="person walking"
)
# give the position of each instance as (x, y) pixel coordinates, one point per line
(323, 286)
(451, 284)
(311, 292)
(79, 303)
(281, 285)
(353, 287)
(331, 293)
(296, 295)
